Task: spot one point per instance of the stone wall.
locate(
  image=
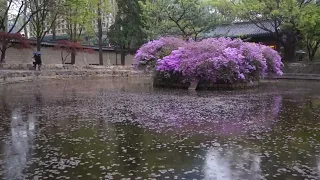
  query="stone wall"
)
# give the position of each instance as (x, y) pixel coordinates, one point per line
(176, 81)
(52, 56)
(22, 76)
(302, 68)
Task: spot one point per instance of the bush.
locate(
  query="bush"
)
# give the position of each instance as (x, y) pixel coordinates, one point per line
(150, 52)
(221, 60)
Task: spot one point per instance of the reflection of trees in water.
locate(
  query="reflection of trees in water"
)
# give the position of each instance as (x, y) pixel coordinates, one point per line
(130, 137)
(5, 113)
(291, 146)
(242, 159)
(21, 135)
(318, 168)
(232, 163)
(19, 148)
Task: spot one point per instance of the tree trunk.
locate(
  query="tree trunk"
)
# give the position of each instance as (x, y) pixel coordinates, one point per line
(311, 57)
(54, 37)
(312, 54)
(278, 46)
(25, 19)
(100, 34)
(312, 50)
(108, 59)
(3, 56)
(289, 52)
(73, 57)
(3, 52)
(123, 58)
(39, 44)
(116, 58)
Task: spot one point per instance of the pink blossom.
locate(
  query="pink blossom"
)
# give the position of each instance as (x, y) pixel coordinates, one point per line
(214, 59)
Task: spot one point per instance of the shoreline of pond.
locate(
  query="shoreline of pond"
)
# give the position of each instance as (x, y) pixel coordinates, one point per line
(16, 76)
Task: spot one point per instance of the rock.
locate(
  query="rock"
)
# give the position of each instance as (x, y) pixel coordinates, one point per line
(194, 84)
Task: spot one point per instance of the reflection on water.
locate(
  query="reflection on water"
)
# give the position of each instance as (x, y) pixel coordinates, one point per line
(19, 143)
(123, 128)
(224, 165)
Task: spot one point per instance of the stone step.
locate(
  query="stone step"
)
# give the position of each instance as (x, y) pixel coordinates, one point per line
(299, 76)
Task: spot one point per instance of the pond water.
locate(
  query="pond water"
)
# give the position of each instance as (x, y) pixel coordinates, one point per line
(119, 128)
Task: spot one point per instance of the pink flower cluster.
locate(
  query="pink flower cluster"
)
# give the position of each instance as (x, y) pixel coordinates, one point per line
(216, 59)
(150, 52)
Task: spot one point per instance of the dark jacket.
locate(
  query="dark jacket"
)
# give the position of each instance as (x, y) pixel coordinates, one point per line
(37, 58)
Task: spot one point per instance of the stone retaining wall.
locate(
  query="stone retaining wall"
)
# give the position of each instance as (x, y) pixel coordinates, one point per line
(300, 71)
(298, 76)
(205, 86)
(21, 76)
(5, 66)
(302, 68)
(11, 73)
(177, 82)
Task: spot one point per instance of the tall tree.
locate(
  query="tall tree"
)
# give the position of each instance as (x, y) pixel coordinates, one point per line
(103, 8)
(188, 18)
(127, 32)
(309, 26)
(79, 15)
(25, 15)
(99, 20)
(43, 21)
(54, 29)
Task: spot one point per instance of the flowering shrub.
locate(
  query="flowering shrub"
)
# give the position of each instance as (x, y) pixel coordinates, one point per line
(150, 52)
(220, 60)
(274, 63)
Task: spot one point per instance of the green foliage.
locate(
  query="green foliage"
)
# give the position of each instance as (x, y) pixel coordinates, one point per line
(283, 15)
(79, 15)
(226, 9)
(127, 31)
(187, 18)
(309, 26)
(42, 22)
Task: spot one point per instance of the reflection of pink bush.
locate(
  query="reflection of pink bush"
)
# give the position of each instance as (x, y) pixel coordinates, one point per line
(234, 121)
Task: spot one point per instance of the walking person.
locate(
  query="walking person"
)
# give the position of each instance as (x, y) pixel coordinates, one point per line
(38, 62)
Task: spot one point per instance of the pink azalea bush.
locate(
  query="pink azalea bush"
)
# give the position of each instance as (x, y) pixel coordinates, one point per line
(150, 52)
(220, 60)
(274, 62)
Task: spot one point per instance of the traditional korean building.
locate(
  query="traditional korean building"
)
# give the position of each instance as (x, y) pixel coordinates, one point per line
(246, 31)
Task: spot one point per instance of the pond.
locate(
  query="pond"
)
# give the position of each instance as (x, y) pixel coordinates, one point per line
(122, 128)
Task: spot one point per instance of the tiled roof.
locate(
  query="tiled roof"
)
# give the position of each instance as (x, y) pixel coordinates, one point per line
(48, 38)
(47, 41)
(52, 44)
(240, 29)
(86, 46)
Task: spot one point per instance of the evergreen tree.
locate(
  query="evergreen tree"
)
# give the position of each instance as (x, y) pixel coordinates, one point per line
(127, 31)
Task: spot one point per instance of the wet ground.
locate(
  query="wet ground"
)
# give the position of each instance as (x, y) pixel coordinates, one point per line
(118, 128)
